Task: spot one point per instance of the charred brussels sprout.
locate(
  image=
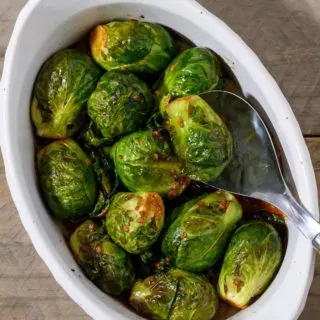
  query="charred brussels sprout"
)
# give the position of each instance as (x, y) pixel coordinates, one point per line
(192, 72)
(198, 230)
(61, 91)
(132, 45)
(104, 262)
(135, 220)
(67, 179)
(145, 162)
(252, 259)
(200, 137)
(175, 295)
(120, 104)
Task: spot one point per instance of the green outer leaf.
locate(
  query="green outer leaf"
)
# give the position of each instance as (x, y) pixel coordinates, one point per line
(146, 163)
(101, 207)
(120, 104)
(92, 137)
(103, 261)
(135, 46)
(193, 71)
(104, 170)
(107, 182)
(67, 179)
(199, 229)
(176, 295)
(200, 137)
(251, 261)
(135, 220)
(62, 88)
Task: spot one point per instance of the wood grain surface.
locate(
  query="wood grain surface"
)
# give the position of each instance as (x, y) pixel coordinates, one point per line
(286, 36)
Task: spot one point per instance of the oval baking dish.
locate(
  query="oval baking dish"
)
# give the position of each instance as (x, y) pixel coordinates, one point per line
(45, 26)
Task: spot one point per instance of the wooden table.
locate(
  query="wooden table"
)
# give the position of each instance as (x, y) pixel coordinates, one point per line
(286, 36)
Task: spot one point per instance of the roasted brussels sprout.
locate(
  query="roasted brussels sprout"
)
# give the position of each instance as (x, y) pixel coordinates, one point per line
(145, 162)
(175, 295)
(132, 45)
(193, 71)
(252, 259)
(61, 91)
(104, 262)
(135, 220)
(120, 104)
(199, 229)
(67, 179)
(200, 137)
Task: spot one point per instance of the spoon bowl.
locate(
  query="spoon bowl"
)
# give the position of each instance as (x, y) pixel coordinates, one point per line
(254, 170)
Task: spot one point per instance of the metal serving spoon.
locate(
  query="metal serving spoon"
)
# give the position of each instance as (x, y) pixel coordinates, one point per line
(255, 170)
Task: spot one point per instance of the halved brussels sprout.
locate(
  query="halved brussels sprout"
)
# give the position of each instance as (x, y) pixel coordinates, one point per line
(67, 180)
(61, 91)
(132, 45)
(120, 104)
(251, 261)
(200, 137)
(193, 71)
(135, 220)
(104, 262)
(145, 162)
(199, 229)
(175, 295)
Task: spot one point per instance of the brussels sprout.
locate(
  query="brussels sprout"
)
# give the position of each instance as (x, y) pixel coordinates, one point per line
(145, 162)
(61, 91)
(67, 179)
(104, 262)
(200, 138)
(175, 295)
(193, 71)
(135, 220)
(132, 45)
(120, 104)
(253, 257)
(199, 229)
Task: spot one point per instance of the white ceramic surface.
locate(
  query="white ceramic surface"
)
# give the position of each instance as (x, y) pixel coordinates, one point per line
(43, 27)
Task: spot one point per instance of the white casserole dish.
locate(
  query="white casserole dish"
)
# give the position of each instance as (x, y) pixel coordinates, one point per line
(45, 26)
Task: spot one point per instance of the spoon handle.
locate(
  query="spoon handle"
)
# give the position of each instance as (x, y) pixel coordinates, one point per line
(299, 215)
